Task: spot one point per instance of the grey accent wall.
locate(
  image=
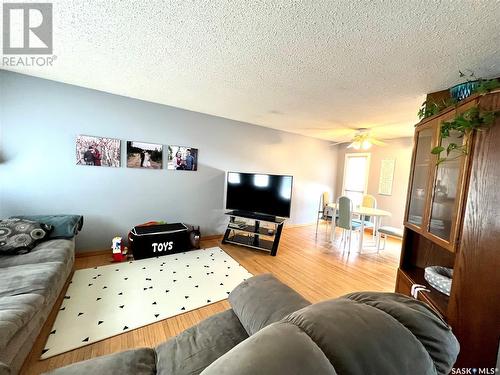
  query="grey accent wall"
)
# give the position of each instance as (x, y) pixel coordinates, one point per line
(40, 119)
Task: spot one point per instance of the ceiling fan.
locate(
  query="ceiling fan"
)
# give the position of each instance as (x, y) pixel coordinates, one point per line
(362, 140)
(358, 138)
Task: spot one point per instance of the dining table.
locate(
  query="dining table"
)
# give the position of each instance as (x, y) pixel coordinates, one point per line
(363, 212)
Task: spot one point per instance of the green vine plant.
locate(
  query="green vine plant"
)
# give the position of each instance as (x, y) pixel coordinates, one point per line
(484, 86)
(487, 85)
(431, 108)
(464, 124)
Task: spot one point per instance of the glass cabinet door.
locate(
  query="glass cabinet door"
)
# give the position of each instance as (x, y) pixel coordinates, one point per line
(423, 161)
(447, 184)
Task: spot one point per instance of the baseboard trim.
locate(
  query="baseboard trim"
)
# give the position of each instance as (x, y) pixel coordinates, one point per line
(84, 254)
(212, 237)
(298, 225)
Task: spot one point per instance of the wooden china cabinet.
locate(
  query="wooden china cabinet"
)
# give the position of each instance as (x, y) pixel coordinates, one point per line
(453, 219)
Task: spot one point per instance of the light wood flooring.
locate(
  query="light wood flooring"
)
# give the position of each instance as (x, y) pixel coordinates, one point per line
(314, 268)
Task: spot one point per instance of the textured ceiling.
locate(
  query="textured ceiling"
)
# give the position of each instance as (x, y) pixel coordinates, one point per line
(312, 67)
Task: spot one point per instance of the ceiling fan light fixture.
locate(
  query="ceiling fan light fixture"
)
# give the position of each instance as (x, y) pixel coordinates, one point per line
(363, 141)
(360, 145)
(355, 145)
(366, 144)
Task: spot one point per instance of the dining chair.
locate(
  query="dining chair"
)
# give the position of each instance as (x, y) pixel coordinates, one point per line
(345, 221)
(325, 213)
(371, 202)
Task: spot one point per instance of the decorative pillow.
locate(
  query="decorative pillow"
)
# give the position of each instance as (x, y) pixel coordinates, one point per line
(64, 226)
(19, 236)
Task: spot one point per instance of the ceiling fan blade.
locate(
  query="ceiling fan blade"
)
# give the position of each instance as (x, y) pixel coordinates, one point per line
(336, 144)
(377, 142)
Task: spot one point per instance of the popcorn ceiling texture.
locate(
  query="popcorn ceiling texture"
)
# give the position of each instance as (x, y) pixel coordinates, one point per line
(299, 66)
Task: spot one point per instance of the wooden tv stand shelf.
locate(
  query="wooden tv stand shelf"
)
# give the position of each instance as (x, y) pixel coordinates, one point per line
(241, 232)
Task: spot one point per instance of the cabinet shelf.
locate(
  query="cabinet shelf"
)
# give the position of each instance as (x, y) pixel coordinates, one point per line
(437, 299)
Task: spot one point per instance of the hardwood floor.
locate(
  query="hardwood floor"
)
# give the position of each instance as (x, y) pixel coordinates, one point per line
(315, 269)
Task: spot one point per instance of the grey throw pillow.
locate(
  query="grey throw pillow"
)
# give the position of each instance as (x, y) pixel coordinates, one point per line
(18, 236)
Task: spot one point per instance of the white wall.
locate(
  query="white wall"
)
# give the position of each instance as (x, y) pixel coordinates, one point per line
(39, 120)
(399, 149)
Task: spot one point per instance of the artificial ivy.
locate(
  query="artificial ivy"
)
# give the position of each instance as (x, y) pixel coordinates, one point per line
(465, 123)
(431, 108)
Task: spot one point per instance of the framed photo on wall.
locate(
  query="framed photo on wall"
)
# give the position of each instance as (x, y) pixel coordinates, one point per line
(181, 158)
(144, 155)
(98, 151)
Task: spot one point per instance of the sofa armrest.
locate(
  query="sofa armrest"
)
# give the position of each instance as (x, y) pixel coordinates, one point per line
(262, 300)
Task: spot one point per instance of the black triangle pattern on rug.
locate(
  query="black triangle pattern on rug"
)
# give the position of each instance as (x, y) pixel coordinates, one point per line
(140, 292)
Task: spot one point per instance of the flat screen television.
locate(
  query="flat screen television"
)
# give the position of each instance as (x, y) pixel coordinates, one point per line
(259, 193)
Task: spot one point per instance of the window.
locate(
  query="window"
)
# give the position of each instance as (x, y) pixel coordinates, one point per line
(356, 168)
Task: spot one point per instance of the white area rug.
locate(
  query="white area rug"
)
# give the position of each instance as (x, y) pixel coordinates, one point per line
(105, 301)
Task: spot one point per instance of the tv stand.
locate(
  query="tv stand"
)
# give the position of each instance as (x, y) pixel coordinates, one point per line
(242, 233)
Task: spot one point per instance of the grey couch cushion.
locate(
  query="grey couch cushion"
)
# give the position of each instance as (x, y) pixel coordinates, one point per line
(262, 300)
(278, 349)
(352, 335)
(29, 286)
(138, 362)
(362, 333)
(430, 330)
(197, 347)
(15, 313)
(4, 369)
(354, 330)
(30, 279)
(47, 251)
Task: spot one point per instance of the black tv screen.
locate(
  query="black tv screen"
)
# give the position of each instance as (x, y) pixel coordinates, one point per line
(260, 193)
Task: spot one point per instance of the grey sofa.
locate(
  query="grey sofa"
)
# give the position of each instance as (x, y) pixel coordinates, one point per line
(29, 286)
(273, 330)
